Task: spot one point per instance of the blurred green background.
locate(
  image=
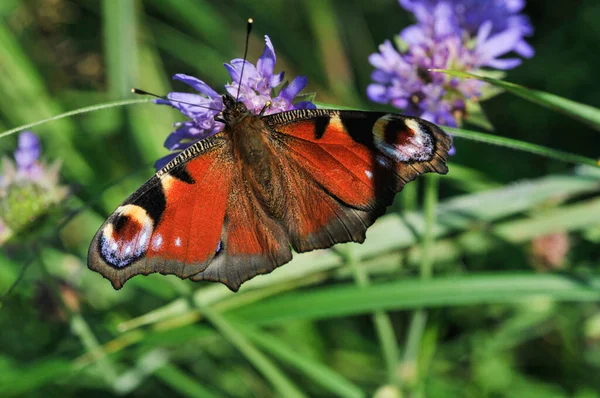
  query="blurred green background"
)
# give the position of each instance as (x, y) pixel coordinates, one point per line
(512, 309)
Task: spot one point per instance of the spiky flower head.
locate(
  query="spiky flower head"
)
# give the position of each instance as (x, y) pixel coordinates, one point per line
(463, 35)
(28, 187)
(259, 84)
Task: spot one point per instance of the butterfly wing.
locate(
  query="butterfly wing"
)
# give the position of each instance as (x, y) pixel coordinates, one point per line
(194, 217)
(345, 168)
(173, 223)
(253, 242)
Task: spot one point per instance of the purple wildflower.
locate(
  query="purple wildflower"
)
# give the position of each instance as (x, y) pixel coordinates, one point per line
(27, 156)
(28, 187)
(464, 35)
(471, 15)
(258, 85)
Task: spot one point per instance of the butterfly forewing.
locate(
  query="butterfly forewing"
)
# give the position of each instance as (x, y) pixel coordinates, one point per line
(173, 223)
(361, 158)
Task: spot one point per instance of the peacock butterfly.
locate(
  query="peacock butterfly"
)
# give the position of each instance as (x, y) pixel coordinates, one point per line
(233, 205)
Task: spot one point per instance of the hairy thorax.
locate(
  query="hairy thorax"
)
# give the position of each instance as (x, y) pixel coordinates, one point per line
(257, 163)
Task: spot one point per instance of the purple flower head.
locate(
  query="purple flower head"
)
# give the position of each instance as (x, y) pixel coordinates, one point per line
(469, 16)
(28, 187)
(404, 80)
(256, 88)
(463, 35)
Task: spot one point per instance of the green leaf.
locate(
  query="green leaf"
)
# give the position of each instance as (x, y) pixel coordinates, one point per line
(521, 146)
(314, 370)
(584, 113)
(338, 301)
(119, 19)
(268, 369)
(74, 112)
(16, 380)
(181, 382)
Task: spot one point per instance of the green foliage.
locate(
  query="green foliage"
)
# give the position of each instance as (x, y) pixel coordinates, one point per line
(449, 296)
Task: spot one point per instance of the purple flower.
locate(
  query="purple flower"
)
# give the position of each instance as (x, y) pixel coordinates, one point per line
(471, 15)
(28, 187)
(27, 156)
(256, 88)
(464, 35)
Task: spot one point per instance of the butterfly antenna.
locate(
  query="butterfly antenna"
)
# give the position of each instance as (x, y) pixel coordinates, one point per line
(248, 30)
(164, 97)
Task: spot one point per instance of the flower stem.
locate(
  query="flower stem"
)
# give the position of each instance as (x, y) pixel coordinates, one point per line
(409, 368)
(410, 196)
(83, 331)
(74, 112)
(253, 354)
(521, 146)
(383, 324)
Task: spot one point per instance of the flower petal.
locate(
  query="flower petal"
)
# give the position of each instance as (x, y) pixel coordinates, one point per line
(292, 89)
(28, 140)
(484, 32)
(196, 84)
(444, 21)
(524, 49)
(413, 34)
(305, 105)
(377, 93)
(276, 79)
(28, 150)
(499, 44)
(503, 64)
(266, 62)
(250, 72)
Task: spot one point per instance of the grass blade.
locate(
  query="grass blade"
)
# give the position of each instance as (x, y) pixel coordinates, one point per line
(119, 19)
(74, 112)
(582, 112)
(521, 146)
(257, 358)
(181, 382)
(321, 374)
(410, 294)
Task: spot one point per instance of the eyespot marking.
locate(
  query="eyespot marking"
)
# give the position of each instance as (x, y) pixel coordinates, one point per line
(128, 241)
(402, 139)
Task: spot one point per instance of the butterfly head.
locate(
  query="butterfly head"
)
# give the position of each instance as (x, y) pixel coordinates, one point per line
(233, 110)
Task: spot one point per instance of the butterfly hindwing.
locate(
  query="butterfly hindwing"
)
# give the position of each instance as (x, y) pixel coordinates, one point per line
(173, 223)
(252, 241)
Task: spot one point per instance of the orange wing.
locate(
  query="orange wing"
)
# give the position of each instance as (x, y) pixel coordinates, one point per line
(345, 168)
(173, 223)
(253, 243)
(196, 217)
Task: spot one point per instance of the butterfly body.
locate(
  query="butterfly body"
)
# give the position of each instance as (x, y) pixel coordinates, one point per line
(233, 205)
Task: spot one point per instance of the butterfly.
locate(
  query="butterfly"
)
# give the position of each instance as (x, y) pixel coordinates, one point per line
(235, 204)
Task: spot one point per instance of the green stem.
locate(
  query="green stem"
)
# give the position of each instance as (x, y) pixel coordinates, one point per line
(409, 368)
(521, 146)
(83, 331)
(430, 204)
(285, 387)
(85, 109)
(410, 197)
(383, 324)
